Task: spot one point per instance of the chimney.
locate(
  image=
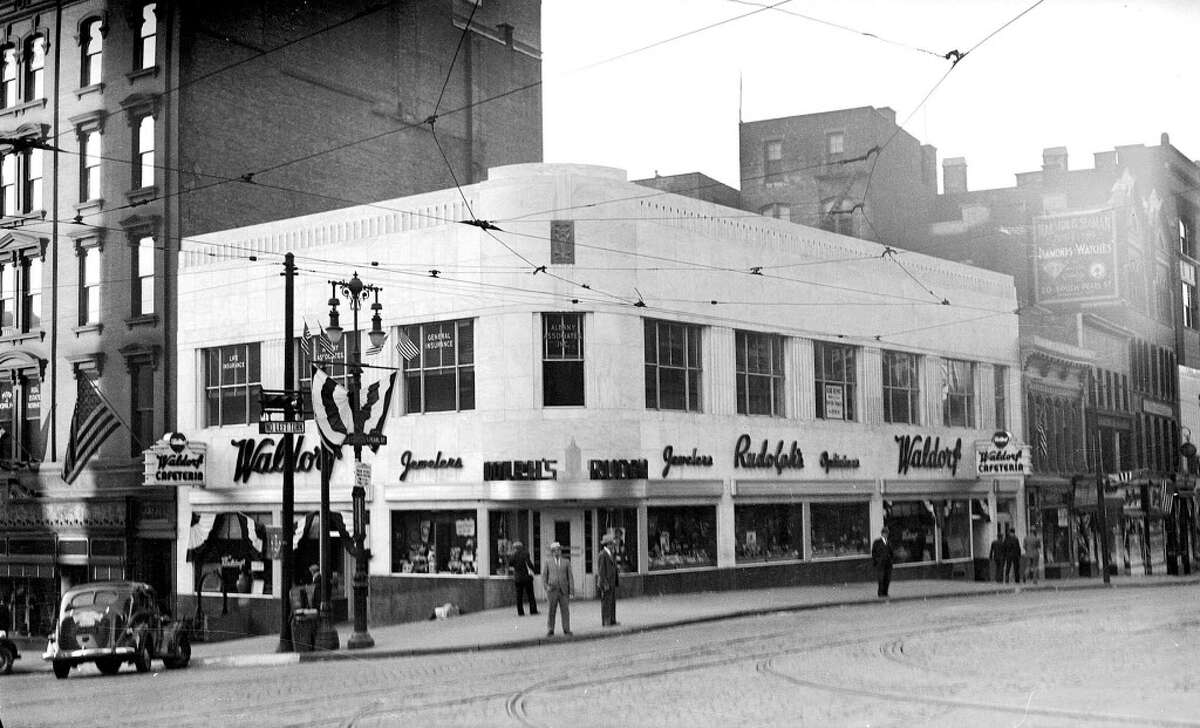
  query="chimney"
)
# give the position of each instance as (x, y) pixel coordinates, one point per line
(1054, 159)
(1164, 139)
(888, 113)
(1106, 160)
(954, 175)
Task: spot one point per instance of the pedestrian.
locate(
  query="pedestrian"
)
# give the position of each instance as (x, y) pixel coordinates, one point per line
(556, 580)
(1012, 556)
(314, 586)
(606, 582)
(1033, 551)
(523, 571)
(881, 558)
(996, 556)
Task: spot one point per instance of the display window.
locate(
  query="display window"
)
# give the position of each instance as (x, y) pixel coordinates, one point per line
(621, 524)
(681, 537)
(911, 527)
(768, 532)
(505, 528)
(840, 529)
(434, 542)
(230, 557)
(954, 527)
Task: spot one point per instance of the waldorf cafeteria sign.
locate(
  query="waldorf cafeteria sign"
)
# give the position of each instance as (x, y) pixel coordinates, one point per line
(1001, 456)
(175, 461)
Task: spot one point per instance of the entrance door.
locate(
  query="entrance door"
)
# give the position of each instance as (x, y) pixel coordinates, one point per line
(565, 527)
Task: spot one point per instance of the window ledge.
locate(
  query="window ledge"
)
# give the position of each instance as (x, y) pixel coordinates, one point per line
(95, 88)
(87, 329)
(148, 319)
(142, 196)
(17, 339)
(89, 207)
(23, 107)
(151, 72)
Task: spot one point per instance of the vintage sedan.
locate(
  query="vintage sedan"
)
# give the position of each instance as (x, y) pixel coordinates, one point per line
(8, 653)
(111, 623)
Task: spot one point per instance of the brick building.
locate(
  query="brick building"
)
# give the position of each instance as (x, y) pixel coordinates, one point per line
(129, 126)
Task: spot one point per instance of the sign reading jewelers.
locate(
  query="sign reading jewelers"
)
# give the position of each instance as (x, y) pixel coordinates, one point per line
(175, 461)
(1001, 456)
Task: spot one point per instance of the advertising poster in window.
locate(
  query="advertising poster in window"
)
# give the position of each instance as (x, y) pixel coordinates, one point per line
(1076, 257)
(835, 398)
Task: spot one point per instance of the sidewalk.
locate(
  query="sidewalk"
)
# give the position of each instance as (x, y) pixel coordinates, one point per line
(501, 628)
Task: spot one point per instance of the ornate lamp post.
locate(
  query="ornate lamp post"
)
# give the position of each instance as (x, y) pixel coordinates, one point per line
(356, 292)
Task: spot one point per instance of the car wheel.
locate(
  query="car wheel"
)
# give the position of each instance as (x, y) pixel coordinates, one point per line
(108, 665)
(6, 660)
(143, 656)
(182, 657)
(61, 669)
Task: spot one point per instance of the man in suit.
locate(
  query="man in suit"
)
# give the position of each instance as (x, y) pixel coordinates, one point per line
(606, 582)
(523, 572)
(1012, 556)
(556, 580)
(881, 558)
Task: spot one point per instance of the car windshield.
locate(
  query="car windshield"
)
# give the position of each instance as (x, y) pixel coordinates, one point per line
(99, 598)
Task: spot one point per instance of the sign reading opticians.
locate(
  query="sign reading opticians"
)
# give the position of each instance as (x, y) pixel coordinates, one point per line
(1001, 456)
(927, 452)
(520, 469)
(670, 458)
(175, 461)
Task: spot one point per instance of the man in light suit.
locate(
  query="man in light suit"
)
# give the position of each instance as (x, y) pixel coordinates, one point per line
(606, 582)
(556, 580)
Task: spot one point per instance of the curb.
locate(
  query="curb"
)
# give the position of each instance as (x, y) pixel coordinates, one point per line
(257, 660)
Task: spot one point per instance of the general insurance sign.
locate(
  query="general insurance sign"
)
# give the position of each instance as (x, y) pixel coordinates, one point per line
(1001, 456)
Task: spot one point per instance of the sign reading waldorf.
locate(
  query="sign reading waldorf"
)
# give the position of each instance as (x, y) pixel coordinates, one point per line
(175, 461)
(1002, 456)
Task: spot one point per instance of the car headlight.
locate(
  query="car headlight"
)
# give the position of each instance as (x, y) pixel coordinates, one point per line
(3, 634)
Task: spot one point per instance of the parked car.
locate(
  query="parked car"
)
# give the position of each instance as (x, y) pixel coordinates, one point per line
(8, 653)
(111, 623)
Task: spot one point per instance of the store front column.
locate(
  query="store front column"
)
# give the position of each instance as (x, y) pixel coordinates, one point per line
(726, 527)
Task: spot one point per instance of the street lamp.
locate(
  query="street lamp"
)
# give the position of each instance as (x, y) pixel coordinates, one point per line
(356, 292)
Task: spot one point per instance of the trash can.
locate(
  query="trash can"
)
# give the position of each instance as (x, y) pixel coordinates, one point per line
(304, 629)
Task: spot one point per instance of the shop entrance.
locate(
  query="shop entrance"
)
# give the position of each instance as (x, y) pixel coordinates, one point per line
(566, 527)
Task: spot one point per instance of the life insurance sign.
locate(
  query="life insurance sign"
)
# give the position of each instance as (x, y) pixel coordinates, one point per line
(176, 461)
(1001, 456)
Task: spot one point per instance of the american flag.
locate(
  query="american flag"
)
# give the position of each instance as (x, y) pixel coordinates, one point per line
(1043, 450)
(328, 351)
(372, 350)
(406, 347)
(306, 342)
(91, 424)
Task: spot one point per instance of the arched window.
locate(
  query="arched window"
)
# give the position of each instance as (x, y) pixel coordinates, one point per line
(147, 36)
(35, 68)
(8, 76)
(91, 49)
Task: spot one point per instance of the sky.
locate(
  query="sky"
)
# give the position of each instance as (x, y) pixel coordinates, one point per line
(1089, 75)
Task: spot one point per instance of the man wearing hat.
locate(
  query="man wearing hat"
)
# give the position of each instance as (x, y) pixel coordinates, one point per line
(556, 580)
(606, 582)
(523, 572)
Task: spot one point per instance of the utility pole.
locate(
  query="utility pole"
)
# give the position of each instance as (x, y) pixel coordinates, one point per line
(1101, 516)
(286, 576)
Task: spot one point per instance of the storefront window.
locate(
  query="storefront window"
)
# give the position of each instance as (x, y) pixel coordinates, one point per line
(769, 532)
(910, 526)
(621, 524)
(504, 528)
(955, 528)
(433, 542)
(681, 537)
(230, 559)
(840, 529)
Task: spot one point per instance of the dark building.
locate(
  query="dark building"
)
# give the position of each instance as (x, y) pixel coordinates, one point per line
(128, 126)
(696, 185)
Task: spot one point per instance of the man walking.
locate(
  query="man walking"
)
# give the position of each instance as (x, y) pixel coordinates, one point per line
(1012, 556)
(523, 572)
(1033, 550)
(881, 557)
(996, 556)
(556, 580)
(606, 582)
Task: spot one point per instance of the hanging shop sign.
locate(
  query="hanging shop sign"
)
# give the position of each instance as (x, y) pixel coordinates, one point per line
(695, 459)
(520, 469)
(175, 461)
(619, 469)
(260, 457)
(1002, 456)
(408, 463)
(925, 452)
(778, 459)
(834, 461)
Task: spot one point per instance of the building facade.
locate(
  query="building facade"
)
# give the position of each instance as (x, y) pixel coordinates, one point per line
(126, 126)
(603, 361)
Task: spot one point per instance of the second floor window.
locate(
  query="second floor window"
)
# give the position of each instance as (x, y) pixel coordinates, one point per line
(672, 366)
(442, 377)
(562, 360)
(35, 68)
(773, 161)
(143, 277)
(89, 286)
(31, 293)
(901, 388)
(89, 165)
(958, 393)
(141, 410)
(8, 185)
(232, 384)
(1000, 383)
(20, 293)
(32, 182)
(20, 417)
(835, 378)
(147, 37)
(91, 60)
(759, 364)
(143, 153)
(333, 357)
(21, 182)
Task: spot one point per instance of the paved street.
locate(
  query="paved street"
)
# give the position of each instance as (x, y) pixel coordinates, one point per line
(1072, 658)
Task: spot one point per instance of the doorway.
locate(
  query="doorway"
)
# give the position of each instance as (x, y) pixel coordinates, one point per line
(565, 527)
